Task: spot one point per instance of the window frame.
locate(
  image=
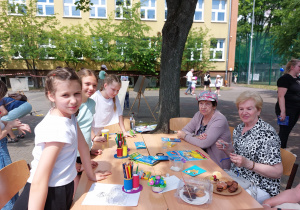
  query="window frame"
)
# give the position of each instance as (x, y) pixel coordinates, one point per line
(217, 49)
(121, 8)
(17, 4)
(199, 10)
(44, 4)
(219, 10)
(45, 46)
(96, 9)
(146, 8)
(70, 5)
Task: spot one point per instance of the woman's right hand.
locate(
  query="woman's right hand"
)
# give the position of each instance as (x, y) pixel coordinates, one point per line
(282, 116)
(225, 146)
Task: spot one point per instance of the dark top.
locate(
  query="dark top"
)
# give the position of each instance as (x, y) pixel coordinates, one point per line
(12, 105)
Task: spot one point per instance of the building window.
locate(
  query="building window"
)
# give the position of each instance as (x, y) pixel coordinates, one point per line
(166, 10)
(98, 9)
(70, 9)
(199, 11)
(45, 7)
(122, 7)
(17, 7)
(99, 48)
(194, 51)
(217, 49)
(218, 13)
(47, 49)
(148, 9)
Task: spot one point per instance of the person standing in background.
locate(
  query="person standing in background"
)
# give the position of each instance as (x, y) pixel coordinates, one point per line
(189, 77)
(207, 81)
(288, 103)
(102, 75)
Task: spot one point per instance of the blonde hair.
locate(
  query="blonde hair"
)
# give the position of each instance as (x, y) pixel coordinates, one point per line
(109, 79)
(246, 95)
(292, 62)
(84, 72)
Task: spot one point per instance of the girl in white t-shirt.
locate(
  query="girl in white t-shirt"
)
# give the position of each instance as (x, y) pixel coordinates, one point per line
(108, 108)
(57, 137)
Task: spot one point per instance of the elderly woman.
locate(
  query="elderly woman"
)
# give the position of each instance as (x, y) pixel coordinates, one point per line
(255, 152)
(207, 127)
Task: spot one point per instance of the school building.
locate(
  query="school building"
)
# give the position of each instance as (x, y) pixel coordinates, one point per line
(219, 16)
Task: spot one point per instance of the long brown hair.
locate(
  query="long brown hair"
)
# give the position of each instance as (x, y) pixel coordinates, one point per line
(3, 89)
(109, 79)
(84, 72)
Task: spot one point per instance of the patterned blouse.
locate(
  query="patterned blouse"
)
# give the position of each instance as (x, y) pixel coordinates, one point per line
(260, 144)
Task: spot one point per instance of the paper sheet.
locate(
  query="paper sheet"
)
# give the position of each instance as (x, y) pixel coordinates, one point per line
(110, 195)
(172, 183)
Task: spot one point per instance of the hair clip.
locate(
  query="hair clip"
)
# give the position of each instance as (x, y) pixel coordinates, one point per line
(53, 74)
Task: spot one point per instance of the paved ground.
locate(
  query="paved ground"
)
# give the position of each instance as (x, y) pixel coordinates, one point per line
(188, 106)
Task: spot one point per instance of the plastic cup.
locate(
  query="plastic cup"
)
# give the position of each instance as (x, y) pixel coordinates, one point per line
(119, 152)
(105, 133)
(175, 163)
(125, 150)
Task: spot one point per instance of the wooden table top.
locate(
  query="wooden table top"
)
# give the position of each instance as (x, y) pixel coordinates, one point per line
(148, 199)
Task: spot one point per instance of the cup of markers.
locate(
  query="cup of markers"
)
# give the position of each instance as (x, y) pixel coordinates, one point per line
(131, 179)
(122, 148)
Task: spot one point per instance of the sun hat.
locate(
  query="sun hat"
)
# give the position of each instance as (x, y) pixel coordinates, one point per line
(218, 76)
(207, 96)
(103, 67)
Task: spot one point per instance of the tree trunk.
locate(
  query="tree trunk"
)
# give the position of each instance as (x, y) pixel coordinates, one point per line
(174, 35)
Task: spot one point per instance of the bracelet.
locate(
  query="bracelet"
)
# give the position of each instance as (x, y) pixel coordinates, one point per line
(252, 166)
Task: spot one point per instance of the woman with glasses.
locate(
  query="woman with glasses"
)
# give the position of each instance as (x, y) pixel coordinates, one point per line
(207, 127)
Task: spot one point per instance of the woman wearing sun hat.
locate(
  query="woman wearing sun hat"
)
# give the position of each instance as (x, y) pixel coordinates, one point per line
(207, 127)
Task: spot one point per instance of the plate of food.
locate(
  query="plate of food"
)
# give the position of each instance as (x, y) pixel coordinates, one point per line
(227, 188)
(193, 195)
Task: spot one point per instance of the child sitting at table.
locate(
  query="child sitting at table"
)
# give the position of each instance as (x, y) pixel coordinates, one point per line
(108, 108)
(11, 109)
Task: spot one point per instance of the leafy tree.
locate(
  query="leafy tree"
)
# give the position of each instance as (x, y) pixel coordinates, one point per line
(287, 34)
(21, 34)
(196, 54)
(73, 45)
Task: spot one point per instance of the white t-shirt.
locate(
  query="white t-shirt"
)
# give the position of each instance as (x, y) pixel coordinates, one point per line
(218, 83)
(57, 129)
(189, 76)
(105, 114)
(193, 84)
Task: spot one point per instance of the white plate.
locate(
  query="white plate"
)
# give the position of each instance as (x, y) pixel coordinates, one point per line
(197, 201)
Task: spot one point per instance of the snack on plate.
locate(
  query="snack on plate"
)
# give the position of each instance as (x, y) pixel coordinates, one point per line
(221, 186)
(233, 187)
(216, 176)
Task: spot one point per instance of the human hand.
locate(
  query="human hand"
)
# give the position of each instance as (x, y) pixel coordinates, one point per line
(99, 139)
(266, 206)
(78, 167)
(225, 146)
(282, 116)
(24, 127)
(181, 134)
(240, 161)
(96, 152)
(126, 134)
(202, 136)
(14, 123)
(101, 175)
(94, 164)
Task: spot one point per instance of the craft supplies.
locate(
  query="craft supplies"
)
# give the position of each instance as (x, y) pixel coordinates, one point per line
(105, 133)
(122, 148)
(137, 157)
(131, 179)
(166, 139)
(157, 183)
(194, 171)
(140, 145)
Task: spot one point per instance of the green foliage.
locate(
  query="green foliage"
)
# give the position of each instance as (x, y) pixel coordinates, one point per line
(73, 45)
(196, 53)
(22, 32)
(287, 35)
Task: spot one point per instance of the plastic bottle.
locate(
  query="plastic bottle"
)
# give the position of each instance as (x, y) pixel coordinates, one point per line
(132, 122)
